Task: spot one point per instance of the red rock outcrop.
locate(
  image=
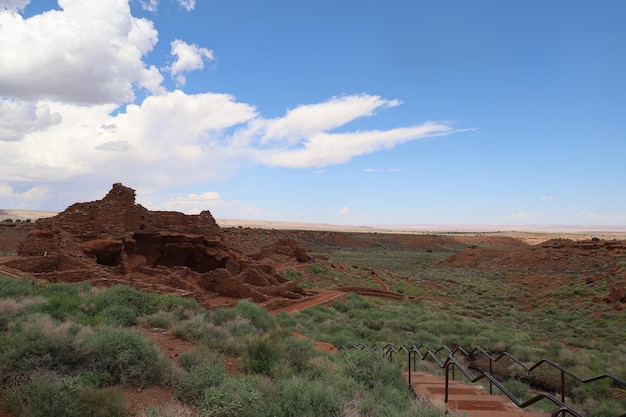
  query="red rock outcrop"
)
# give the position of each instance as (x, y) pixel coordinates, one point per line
(115, 240)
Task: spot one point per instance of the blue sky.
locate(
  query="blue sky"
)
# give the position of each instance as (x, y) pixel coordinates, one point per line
(345, 112)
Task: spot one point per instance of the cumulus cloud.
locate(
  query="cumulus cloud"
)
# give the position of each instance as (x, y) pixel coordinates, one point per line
(177, 138)
(13, 5)
(19, 118)
(89, 52)
(69, 114)
(188, 58)
(25, 200)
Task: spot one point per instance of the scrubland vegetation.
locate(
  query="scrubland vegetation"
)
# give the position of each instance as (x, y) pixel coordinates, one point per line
(72, 350)
(468, 308)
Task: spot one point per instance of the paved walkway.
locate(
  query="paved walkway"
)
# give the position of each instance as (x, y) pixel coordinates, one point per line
(466, 400)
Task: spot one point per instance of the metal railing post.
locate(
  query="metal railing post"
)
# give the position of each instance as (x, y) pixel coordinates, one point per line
(446, 391)
(490, 373)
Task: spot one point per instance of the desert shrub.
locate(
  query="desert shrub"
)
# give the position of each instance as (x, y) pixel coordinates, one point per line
(602, 408)
(200, 378)
(518, 388)
(17, 288)
(223, 315)
(10, 307)
(240, 327)
(371, 369)
(161, 319)
(62, 303)
(200, 355)
(259, 317)
(176, 304)
(40, 343)
(236, 397)
(13, 307)
(126, 356)
(193, 329)
(297, 396)
(284, 319)
(117, 315)
(105, 402)
(45, 395)
(296, 353)
(171, 409)
(141, 303)
(232, 346)
(261, 354)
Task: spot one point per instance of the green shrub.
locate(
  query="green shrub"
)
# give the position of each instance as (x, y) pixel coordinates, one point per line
(192, 386)
(261, 355)
(105, 402)
(235, 397)
(519, 389)
(223, 315)
(371, 369)
(117, 315)
(171, 409)
(296, 353)
(193, 329)
(44, 395)
(17, 288)
(259, 317)
(128, 357)
(40, 343)
(300, 397)
(161, 319)
(200, 355)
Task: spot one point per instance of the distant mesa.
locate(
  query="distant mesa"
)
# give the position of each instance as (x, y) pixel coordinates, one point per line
(114, 240)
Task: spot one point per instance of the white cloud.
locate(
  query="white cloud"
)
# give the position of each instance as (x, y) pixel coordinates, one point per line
(19, 118)
(26, 200)
(68, 113)
(324, 149)
(149, 5)
(188, 5)
(308, 120)
(13, 5)
(114, 145)
(169, 139)
(371, 170)
(344, 211)
(209, 200)
(546, 198)
(520, 215)
(89, 52)
(188, 58)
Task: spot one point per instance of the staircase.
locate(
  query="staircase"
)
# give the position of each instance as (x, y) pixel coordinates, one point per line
(466, 400)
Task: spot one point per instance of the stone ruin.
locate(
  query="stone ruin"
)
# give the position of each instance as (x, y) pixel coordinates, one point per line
(115, 240)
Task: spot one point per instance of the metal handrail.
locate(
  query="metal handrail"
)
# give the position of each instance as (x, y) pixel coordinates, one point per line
(424, 351)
